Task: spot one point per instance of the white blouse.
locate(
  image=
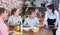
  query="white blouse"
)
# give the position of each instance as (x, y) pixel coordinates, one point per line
(50, 15)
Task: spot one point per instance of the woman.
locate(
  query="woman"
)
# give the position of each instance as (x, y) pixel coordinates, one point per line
(51, 18)
(15, 19)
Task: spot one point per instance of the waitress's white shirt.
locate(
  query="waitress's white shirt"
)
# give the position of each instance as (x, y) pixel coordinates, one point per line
(50, 15)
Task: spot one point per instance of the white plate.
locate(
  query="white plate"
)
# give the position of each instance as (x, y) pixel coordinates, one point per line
(26, 29)
(34, 29)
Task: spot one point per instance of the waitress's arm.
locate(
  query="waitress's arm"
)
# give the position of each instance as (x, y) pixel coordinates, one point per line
(57, 18)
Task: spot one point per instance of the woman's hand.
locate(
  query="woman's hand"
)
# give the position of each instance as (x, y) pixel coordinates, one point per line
(42, 25)
(56, 26)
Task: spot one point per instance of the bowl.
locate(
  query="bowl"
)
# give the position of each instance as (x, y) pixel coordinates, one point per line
(26, 29)
(34, 29)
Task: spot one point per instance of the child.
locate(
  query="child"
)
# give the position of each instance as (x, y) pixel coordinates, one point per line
(31, 21)
(15, 19)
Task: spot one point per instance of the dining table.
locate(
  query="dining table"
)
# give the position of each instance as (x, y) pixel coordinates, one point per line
(42, 31)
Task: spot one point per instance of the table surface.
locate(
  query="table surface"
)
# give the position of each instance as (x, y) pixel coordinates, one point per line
(42, 31)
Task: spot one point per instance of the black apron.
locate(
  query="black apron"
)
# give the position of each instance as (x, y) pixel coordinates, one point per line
(51, 21)
(51, 25)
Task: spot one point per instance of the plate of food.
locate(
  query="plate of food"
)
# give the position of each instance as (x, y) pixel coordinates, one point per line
(35, 29)
(26, 28)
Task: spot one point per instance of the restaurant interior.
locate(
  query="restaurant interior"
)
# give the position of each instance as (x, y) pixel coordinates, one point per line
(24, 6)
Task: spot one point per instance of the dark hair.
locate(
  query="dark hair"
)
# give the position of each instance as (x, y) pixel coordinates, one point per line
(2, 10)
(51, 7)
(13, 10)
(30, 12)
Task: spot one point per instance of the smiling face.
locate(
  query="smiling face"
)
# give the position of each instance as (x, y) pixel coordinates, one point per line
(16, 13)
(48, 9)
(32, 15)
(3, 13)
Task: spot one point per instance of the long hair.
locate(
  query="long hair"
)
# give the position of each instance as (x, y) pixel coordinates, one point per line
(13, 10)
(51, 6)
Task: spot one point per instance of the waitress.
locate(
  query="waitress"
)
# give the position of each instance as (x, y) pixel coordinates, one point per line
(51, 18)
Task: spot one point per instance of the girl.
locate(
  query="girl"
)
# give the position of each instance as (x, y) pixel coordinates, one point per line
(15, 19)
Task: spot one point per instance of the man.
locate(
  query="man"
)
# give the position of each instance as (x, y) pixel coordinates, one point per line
(3, 27)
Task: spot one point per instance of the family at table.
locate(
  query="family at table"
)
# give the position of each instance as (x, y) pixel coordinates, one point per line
(51, 20)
